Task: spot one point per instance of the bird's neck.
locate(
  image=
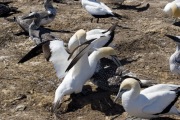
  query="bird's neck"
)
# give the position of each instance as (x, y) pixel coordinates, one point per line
(94, 57)
(82, 62)
(131, 95)
(49, 7)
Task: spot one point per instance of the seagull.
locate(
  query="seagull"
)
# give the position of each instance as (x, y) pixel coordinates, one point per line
(79, 73)
(151, 102)
(98, 9)
(46, 16)
(173, 9)
(174, 61)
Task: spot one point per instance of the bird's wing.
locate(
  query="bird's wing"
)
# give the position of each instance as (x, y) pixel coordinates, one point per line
(59, 57)
(159, 87)
(95, 31)
(44, 14)
(96, 9)
(177, 57)
(80, 51)
(33, 52)
(106, 7)
(159, 102)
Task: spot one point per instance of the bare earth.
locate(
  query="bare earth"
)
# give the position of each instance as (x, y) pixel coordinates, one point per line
(27, 90)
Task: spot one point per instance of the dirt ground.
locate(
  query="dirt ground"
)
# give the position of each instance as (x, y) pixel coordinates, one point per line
(27, 90)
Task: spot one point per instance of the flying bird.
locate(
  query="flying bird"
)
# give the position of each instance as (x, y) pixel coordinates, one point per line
(151, 102)
(174, 61)
(98, 9)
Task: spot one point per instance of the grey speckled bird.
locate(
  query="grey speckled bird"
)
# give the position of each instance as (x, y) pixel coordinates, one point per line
(46, 16)
(109, 76)
(174, 61)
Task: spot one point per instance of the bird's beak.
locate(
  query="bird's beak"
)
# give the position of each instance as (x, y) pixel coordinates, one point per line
(120, 92)
(116, 60)
(55, 107)
(29, 17)
(176, 39)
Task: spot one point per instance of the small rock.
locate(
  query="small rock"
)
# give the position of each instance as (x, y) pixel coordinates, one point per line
(20, 107)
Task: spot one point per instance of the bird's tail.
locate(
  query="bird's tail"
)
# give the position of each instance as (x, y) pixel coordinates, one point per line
(117, 16)
(147, 83)
(38, 49)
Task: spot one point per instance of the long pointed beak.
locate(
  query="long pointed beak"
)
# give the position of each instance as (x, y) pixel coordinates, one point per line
(29, 17)
(176, 39)
(118, 95)
(55, 107)
(116, 60)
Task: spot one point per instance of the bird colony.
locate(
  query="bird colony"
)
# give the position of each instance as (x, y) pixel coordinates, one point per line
(91, 56)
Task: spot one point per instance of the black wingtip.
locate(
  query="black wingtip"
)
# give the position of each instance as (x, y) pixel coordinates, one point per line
(176, 39)
(33, 52)
(113, 27)
(117, 16)
(79, 55)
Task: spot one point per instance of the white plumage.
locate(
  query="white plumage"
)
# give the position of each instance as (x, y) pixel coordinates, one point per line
(173, 8)
(98, 9)
(81, 69)
(150, 102)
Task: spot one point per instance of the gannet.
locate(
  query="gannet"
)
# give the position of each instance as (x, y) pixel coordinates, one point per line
(55, 52)
(150, 102)
(5, 10)
(98, 9)
(46, 16)
(109, 76)
(78, 75)
(106, 36)
(174, 61)
(173, 8)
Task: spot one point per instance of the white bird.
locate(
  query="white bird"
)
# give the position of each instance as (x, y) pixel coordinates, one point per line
(150, 102)
(80, 73)
(98, 9)
(106, 36)
(174, 61)
(55, 52)
(46, 16)
(173, 8)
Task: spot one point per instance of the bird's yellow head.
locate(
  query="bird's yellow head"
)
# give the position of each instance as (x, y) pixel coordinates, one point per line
(175, 11)
(81, 35)
(129, 83)
(106, 51)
